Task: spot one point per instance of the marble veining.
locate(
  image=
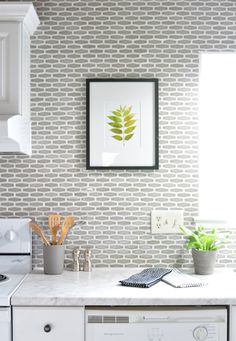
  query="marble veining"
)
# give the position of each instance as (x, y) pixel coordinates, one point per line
(101, 287)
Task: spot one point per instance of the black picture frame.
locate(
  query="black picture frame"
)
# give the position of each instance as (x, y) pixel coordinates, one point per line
(89, 82)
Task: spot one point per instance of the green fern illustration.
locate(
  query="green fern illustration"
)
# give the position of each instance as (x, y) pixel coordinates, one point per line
(122, 122)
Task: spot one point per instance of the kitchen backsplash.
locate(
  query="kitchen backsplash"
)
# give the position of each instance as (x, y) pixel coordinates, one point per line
(81, 39)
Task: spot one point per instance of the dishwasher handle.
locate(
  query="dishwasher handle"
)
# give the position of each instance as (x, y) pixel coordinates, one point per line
(203, 319)
(155, 319)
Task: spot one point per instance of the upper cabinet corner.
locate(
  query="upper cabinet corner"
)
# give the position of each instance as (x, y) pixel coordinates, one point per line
(20, 12)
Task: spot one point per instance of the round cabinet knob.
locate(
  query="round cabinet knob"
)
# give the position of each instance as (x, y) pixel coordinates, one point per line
(10, 235)
(200, 333)
(47, 328)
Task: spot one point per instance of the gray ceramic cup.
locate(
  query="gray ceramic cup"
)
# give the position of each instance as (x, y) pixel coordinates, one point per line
(53, 259)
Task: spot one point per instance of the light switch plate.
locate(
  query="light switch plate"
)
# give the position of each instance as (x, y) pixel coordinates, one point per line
(166, 221)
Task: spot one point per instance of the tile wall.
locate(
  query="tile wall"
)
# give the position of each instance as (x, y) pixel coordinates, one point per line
(80, 39)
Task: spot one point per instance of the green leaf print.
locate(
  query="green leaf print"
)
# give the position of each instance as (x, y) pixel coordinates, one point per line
(122, 120)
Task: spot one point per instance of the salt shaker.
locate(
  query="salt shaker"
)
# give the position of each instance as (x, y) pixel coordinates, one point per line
(76, 259)
(87, 260)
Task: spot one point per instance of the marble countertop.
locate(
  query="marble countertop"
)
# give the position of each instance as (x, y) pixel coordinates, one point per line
(101, 287)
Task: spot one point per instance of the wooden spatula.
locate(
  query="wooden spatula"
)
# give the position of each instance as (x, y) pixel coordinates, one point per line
(54, 225)
(39, 232)
(67, 224)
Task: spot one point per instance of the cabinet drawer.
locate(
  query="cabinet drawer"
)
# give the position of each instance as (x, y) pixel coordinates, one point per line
(48, 323)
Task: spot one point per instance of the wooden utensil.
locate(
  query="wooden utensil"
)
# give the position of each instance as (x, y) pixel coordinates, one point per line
(54, 234)
(67, 224)
(39, 232)
(54, 225)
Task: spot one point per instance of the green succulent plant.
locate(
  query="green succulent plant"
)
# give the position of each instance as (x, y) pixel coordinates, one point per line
(201, 240)
(122, 123)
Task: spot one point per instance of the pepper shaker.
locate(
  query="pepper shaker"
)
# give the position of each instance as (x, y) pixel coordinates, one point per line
(76, 257)
(87, 260)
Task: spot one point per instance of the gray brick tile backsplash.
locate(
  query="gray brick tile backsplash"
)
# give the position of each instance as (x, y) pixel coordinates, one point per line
(80, 39)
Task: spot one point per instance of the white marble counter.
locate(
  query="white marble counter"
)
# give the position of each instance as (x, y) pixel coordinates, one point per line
(101, 287)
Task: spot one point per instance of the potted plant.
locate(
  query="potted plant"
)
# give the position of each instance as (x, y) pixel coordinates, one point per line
(204, 246)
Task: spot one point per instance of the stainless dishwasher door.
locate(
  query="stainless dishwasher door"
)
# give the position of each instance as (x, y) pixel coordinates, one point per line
(147, 324)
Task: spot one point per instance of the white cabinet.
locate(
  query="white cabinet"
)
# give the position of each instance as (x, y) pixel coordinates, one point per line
(10, 64)
(48, 324)
(5, 323)
(18, 21)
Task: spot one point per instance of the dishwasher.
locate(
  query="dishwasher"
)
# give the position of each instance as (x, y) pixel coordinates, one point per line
(156, 324)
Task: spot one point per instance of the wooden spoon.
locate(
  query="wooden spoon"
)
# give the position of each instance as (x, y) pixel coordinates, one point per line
(54, 225)
(39, 232)
(67, 224)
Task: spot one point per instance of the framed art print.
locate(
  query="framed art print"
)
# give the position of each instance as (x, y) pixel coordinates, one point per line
(122, 123)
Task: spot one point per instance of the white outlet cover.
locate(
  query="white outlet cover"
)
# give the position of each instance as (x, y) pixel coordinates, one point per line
(166, 221)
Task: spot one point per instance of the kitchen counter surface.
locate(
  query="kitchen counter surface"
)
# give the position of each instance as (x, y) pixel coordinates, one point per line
(101, 287)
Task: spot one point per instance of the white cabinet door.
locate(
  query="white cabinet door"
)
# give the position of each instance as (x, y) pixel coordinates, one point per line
(5, 323)
(10, 68)
(48, 324)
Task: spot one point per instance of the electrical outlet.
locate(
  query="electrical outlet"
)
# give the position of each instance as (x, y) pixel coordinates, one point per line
(166, 221)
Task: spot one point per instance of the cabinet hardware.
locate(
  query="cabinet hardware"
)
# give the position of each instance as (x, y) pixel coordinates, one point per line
(47, 328)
